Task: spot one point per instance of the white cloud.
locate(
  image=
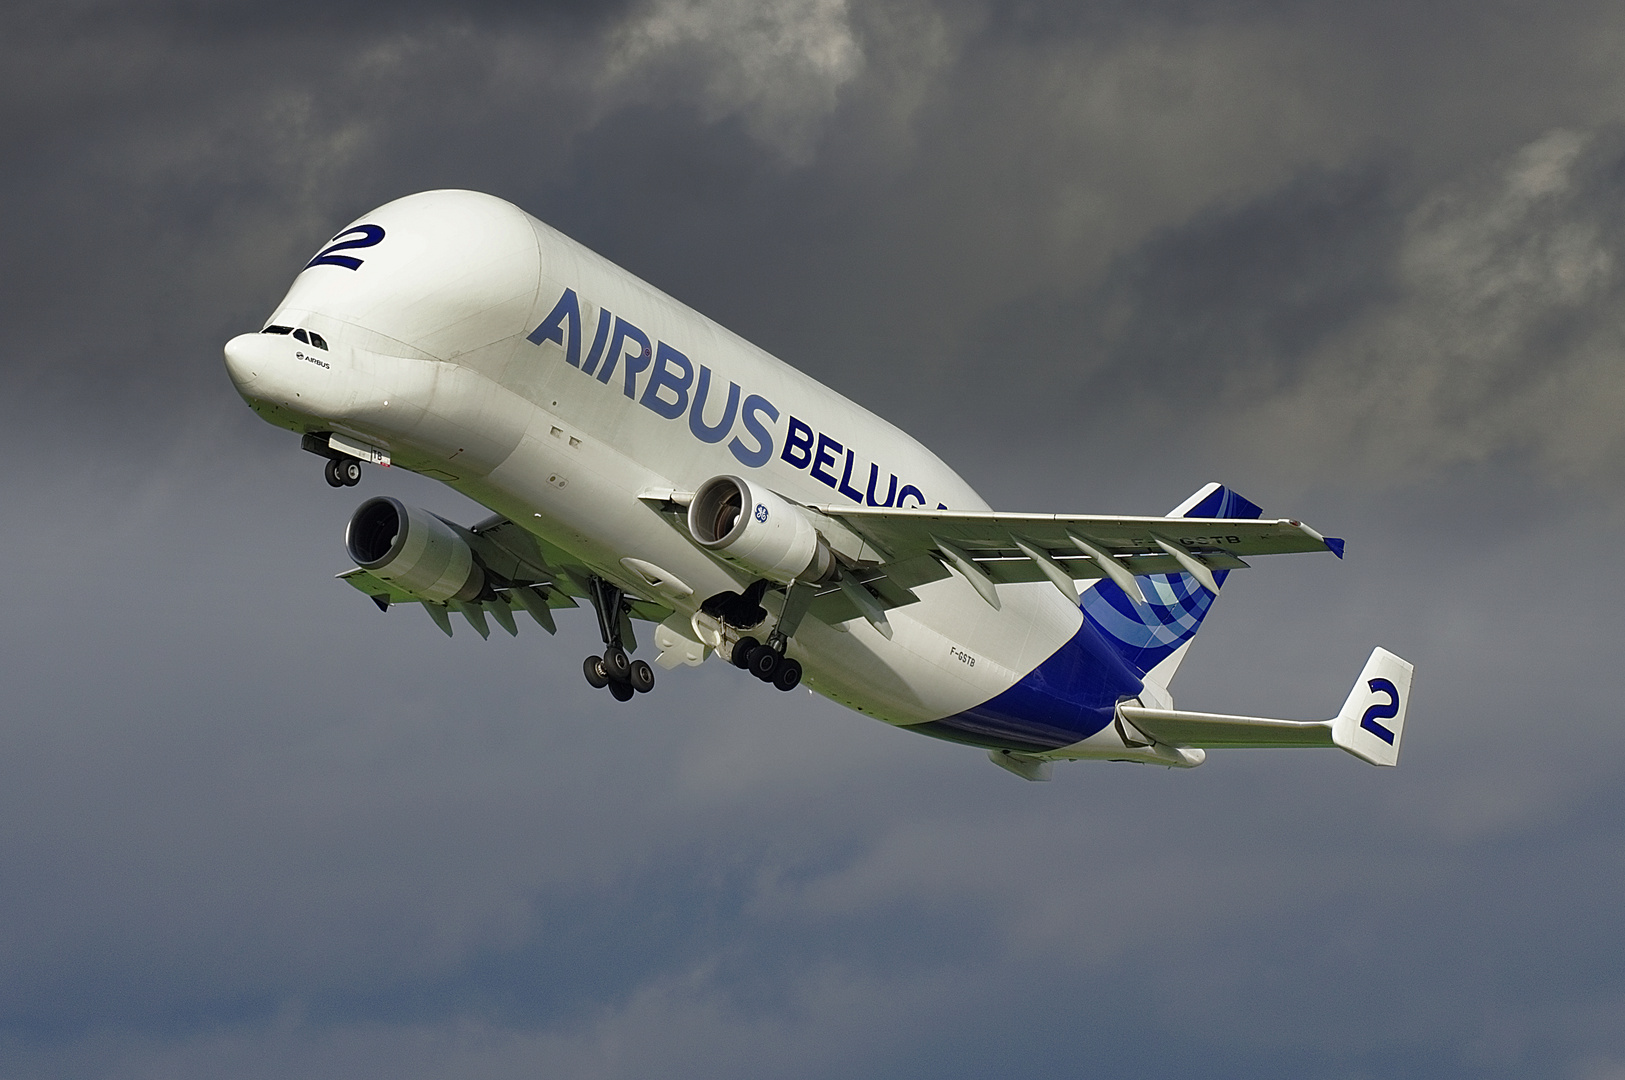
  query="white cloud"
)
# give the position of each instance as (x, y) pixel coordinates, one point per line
(779, 65)
(1506, 335)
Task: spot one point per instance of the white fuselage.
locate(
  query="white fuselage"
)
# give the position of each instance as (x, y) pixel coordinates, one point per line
(453, 347)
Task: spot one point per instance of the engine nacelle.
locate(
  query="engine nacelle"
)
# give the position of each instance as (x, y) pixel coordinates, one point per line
(414, 550)
(759, 530)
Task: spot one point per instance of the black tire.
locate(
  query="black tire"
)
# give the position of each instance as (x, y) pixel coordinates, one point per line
(741, 653)
(641, 676)
(349, 471)
(621, 691)
(788, 677)
(763, 662)
(616, 665)
(331, 471)
(593, 668)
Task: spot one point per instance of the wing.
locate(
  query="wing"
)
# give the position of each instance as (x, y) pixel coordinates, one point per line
(889, 552)
(990, 548)
(989, 536)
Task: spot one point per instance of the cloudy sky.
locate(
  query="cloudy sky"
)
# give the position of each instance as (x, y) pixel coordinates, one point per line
(1363, 261)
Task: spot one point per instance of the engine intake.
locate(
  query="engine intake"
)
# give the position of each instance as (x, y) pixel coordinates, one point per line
(763, 532)
(414, 550)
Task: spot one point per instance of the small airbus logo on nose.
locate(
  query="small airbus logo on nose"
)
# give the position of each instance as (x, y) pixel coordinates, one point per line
(761, 511)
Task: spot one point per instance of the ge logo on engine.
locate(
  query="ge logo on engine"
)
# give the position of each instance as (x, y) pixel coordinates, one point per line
(761, 512)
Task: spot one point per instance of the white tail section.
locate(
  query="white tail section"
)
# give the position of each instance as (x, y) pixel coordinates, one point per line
(1369, 726)
(1373, 718)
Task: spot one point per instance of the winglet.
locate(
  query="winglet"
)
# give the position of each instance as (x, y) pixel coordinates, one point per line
(1334, 544)
(1373, 718)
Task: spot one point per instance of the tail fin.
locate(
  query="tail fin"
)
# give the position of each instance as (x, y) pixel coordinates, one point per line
(1153, 638)
(1369, 725)
(1373, 718)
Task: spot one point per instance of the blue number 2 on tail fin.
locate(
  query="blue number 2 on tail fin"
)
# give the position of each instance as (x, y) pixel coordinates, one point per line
(1381, 712)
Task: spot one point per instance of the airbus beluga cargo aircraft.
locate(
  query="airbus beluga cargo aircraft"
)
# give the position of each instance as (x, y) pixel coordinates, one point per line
(641, 458)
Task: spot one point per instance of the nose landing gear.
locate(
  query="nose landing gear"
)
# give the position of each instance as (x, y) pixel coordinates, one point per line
(615, 670)
(341, 469)
(342, 472)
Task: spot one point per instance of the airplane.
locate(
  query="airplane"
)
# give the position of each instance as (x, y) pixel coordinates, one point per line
(639, 457)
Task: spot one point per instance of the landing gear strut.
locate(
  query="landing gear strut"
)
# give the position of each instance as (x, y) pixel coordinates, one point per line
(622, 675)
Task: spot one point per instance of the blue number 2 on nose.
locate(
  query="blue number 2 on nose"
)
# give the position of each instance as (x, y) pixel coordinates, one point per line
(1381, 711)
(369, 236)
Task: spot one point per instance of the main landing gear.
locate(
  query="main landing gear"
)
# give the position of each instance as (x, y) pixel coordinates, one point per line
(621, 674)
(766, 660)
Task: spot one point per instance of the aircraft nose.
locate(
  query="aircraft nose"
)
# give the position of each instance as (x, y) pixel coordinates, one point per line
(246, 359)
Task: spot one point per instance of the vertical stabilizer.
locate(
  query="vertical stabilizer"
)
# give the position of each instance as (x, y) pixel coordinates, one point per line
(1153, 637)
(1373, 718)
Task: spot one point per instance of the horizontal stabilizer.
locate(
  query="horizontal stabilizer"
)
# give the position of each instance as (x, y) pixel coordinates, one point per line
(1369, 725)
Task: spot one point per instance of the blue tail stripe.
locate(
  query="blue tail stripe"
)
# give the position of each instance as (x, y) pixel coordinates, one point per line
(1145, 635)
(1068, 697)
(1071, 695)
(1224, 503)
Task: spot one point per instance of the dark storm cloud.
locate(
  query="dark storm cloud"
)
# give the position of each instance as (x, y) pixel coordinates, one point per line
(1231, 300)
(1361, 260)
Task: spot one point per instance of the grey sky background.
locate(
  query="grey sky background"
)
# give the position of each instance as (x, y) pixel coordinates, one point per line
(1362, 261)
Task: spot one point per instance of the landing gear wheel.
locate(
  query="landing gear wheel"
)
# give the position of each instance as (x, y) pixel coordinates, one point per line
(616, 665)
(620, 691)
(788, 677)
(741, 653)
(593, 668)
(641, 676)
(331, 471)
(349, 471)
(762, 662)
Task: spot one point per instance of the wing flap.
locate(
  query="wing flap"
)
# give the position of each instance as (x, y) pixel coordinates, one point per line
(512, 553)
(1005, 569)
(376, 587)
(887, 590)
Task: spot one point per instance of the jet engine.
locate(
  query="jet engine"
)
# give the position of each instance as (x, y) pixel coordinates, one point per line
(414, 550)
(763, 532)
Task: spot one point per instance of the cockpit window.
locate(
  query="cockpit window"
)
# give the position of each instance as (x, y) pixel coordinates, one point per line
(309, 337)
